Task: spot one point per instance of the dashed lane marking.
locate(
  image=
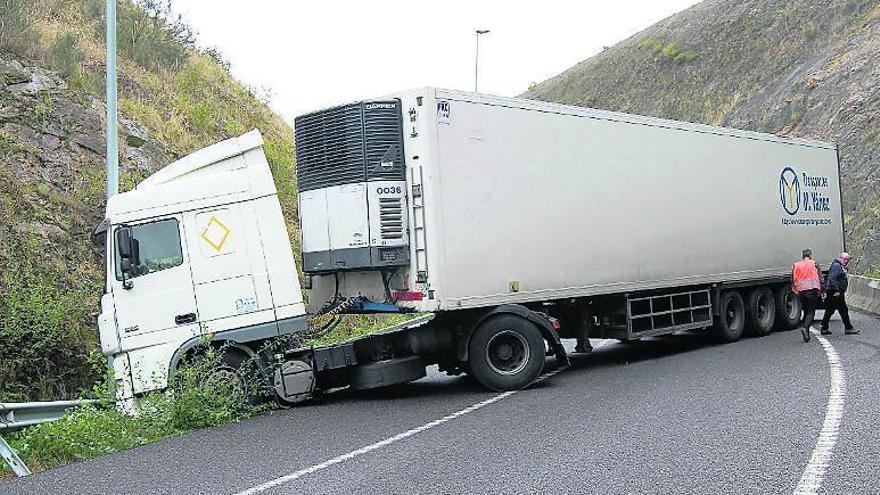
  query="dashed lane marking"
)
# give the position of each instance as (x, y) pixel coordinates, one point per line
(396, 438)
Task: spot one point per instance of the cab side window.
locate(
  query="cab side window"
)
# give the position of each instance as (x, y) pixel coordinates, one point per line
(157, 247)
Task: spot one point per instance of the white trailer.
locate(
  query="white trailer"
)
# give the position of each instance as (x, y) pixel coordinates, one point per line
(515, 223)
(633, 226)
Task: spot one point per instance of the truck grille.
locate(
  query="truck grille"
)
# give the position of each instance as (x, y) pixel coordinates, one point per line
(348, 144)
(391, 218)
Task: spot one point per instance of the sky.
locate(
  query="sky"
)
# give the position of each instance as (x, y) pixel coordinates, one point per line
(308, 55)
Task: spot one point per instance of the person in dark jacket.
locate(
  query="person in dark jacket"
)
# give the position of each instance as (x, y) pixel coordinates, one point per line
(836, 284)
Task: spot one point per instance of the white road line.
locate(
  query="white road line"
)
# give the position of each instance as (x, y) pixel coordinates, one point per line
(814, 473)
(396, 438)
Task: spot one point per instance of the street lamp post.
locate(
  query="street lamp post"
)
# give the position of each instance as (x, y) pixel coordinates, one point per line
(112, 143)
(477, 59)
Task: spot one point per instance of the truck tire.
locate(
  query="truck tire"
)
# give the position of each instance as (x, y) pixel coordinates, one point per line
(788, 308)
(731, 318)
(506, 352)
(239, 371)
(386, 373)
(761, 311)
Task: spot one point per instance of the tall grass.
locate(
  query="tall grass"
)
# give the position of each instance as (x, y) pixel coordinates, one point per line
(190, 402)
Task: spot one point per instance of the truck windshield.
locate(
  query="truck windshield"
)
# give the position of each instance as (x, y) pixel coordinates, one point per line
(158, 247)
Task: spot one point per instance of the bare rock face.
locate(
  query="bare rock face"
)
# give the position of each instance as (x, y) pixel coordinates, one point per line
(798, 68)
(12, 72)
(38, 80)
(52, 161)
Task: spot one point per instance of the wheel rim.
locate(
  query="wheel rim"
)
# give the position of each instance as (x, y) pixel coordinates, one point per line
(507, 352)
(764, 307)
(226, 375)
(730, 316)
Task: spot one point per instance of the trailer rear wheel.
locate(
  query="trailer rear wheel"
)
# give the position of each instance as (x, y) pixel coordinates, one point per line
(761, 311)
(788, 308)
(732, 317)
(506, 352)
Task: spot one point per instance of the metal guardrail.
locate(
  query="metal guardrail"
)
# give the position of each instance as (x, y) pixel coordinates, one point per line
(12, 460)
(863, 294)
(17, 415)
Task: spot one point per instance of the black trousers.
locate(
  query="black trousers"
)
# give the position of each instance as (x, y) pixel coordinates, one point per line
(809, 301)
(836, 303)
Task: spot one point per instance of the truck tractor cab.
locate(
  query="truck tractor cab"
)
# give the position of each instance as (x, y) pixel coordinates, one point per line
(198, 249)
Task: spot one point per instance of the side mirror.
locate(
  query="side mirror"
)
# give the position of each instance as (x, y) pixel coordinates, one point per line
(128, 255)
(123, 243)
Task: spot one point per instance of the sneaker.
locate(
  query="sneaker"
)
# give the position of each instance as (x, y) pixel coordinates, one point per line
(852, 331)
(805, 334)
(825, 331)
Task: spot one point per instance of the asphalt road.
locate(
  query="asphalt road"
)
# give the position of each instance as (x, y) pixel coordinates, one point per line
(669, 415)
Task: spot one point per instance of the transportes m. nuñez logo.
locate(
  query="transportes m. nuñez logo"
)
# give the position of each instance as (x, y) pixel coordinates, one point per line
(800, 192)
(790, 191)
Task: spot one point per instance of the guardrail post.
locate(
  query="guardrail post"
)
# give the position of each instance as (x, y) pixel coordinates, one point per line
(13, 460)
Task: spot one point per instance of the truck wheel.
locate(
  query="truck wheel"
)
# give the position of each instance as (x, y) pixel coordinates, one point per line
(387, 373)
(238, 372)
(788, 308)
(732, 317)
(761, 311)
(506, 352)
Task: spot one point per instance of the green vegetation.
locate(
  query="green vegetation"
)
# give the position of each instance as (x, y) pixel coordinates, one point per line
(352, 327)
(873, 272)
(668, 51)
(65, 55)
(46, 336)
(183, 97)
(191, 402)
(810, 31)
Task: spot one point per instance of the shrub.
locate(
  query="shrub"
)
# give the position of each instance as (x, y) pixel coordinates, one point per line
(810, 31)
(684, 57)
(669, 51)
(44, 336)
(151, 36)
(16, 22)
(653, 45)
(190, 402)
(65, 56)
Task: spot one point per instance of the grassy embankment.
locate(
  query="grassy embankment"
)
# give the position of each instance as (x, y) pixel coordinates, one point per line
(184, 98)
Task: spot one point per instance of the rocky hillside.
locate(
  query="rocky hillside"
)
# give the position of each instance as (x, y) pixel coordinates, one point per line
(801, 68)
(173, 99)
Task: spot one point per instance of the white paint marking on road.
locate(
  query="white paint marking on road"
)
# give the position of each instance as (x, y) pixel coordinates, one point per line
(814, 473)
(396, 438)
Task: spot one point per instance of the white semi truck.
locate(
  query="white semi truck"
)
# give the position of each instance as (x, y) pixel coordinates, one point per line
(516, 223)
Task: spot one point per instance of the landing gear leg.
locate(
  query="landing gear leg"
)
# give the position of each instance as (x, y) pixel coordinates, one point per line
(584, 327)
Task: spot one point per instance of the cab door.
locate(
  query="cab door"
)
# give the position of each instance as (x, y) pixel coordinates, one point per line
(156, 303)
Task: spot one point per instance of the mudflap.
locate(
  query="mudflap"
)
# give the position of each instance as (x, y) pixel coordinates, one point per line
(546, 326)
